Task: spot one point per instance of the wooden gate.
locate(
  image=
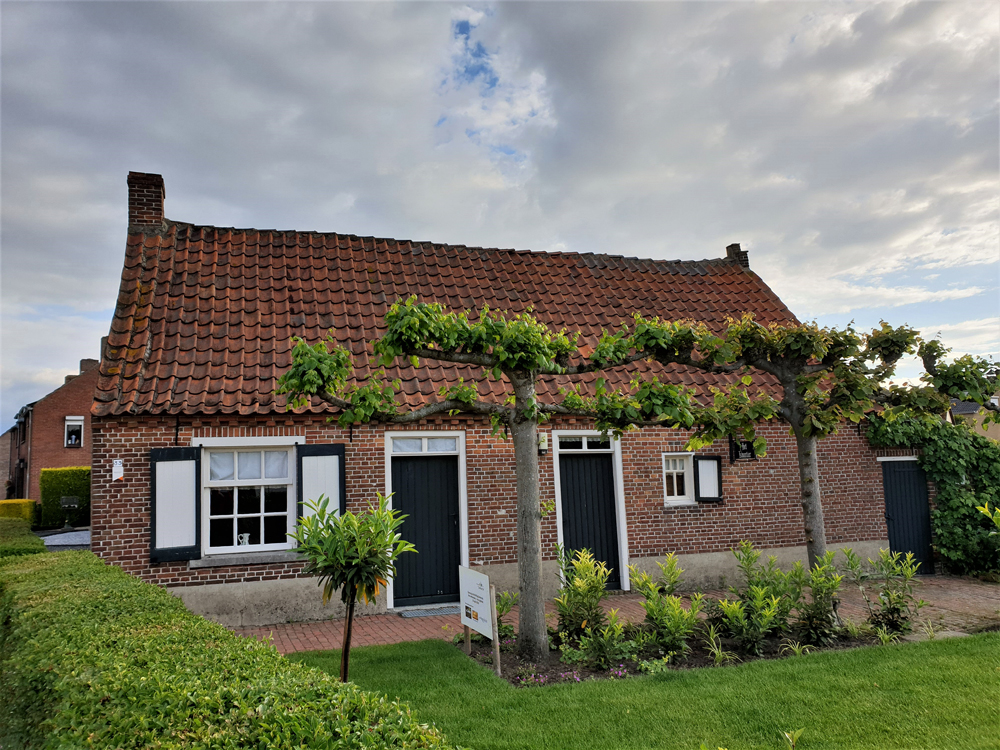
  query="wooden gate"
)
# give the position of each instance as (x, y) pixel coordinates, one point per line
(907, 512)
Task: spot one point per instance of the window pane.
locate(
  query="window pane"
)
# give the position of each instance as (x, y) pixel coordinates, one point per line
(74, 435)
(671, 491)
(221, 533)
(221, 501)
(275, 529)
(443, 445)
(250, 465)
(596, 443)
(570, 443)
(275, 499)
(249, 500)
(681, 491)
(247, 531)
(221, 466)
(406, 445)
(275, 464)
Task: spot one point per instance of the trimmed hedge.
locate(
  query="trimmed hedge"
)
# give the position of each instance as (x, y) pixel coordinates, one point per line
(55, 484)
(20, 508)
(91, 657)
(16, 539)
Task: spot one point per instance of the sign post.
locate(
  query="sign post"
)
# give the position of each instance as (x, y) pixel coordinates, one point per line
(479, 609)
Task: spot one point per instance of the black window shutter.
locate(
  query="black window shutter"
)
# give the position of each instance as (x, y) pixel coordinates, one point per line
(325, 476)
(709, 468)
(175, 504)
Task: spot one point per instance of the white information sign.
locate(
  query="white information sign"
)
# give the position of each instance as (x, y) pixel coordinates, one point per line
(117, 469)
(476, 612)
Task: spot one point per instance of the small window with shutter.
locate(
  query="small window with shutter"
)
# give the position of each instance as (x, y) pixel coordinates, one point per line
(174, 512)
(708, 479)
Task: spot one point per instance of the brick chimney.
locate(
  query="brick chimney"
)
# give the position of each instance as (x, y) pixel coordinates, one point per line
(733, 252)
(145, 201)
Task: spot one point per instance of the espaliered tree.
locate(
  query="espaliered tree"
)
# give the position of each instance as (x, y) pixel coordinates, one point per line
(825, 376)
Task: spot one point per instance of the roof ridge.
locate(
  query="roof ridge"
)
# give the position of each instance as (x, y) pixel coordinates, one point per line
(401, 244)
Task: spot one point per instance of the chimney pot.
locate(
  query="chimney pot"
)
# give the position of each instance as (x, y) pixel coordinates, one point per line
(733, 252)
(145, 200)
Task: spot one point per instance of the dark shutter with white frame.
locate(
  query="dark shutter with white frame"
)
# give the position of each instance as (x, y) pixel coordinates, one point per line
(175, 509)
(708, 479)
(320, 471)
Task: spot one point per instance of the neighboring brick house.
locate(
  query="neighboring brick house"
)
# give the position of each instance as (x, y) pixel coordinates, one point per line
(52, 432)
(212, 469)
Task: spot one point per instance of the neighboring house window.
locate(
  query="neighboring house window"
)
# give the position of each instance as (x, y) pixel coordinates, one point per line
(73, 437)
(251, 499)
(688, 478)
(678, 486)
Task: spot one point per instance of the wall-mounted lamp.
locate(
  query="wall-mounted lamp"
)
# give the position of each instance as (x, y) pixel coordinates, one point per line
(543, 444)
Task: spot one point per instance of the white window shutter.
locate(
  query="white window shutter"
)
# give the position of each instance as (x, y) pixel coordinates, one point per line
(321, 472)
(175, 510)
(708, 479)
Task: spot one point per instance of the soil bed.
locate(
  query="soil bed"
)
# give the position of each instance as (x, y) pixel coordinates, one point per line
(529, 674)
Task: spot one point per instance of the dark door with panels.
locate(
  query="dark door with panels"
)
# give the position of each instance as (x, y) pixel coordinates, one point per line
(425, 488)
(907, 513)
(587, 488)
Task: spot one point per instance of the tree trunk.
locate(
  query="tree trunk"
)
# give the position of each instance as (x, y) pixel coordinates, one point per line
(812, 506)
(532, 636)
(345, 651)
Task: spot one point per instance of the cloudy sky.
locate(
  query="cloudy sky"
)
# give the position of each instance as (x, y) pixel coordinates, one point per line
(852, 148)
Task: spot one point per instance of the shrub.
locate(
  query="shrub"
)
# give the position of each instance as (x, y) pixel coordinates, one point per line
(505, 602)
(16, 538)
(24, 509)
(607, 645)
(669, 622)
(895, 607)
(751, 621)
(92, 657)
(785, 587)
(584, 587)
(816, 620)
(55, 484)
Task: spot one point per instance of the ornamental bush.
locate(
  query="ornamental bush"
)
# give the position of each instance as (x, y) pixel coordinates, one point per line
(56, 484)
(16, 538)
(91, 657)
(19, 508)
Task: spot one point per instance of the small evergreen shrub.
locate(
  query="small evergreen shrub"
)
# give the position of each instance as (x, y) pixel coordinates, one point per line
(608, 645)
(56, 484)
(20, 508)
(816, 618)
(786, 587)
(891, 576)
(670, 623)
(750, 621)
(584, 588)
(91, 657)
(16, 539)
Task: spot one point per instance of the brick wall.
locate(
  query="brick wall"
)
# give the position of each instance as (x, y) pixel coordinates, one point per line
(761, 497)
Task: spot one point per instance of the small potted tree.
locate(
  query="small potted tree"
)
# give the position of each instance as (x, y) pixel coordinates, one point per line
(354, 553)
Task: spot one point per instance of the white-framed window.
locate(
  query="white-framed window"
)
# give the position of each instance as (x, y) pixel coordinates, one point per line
(690, 479)
(248, 498)
(73, 432)
(678, 484)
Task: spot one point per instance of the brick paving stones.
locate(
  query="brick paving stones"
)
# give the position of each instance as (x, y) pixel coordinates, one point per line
(959, 604)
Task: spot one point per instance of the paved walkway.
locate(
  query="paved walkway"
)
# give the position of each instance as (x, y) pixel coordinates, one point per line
(953, 604)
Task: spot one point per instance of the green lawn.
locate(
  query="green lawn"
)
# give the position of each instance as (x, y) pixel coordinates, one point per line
(934, 695)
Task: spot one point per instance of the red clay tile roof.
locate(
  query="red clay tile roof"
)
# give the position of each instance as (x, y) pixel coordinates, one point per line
(205, 315)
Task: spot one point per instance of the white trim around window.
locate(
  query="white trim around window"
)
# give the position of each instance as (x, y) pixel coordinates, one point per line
(677, 477)
(589, 444)
(248, 494)
(432, 443)
(73, 432)
(880, 459)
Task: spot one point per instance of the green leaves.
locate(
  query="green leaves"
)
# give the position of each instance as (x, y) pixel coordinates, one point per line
(351, 551)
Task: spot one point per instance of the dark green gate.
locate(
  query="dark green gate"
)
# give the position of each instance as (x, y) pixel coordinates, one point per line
(587, 486)
(907, 512)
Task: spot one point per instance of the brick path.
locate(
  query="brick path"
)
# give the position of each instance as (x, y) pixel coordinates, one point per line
(953, 603)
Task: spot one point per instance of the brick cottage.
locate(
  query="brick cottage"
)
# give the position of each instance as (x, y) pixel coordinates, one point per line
(199, 472)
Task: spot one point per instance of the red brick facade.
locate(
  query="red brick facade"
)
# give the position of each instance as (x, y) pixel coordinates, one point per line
(39, 439)
(761, 497)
